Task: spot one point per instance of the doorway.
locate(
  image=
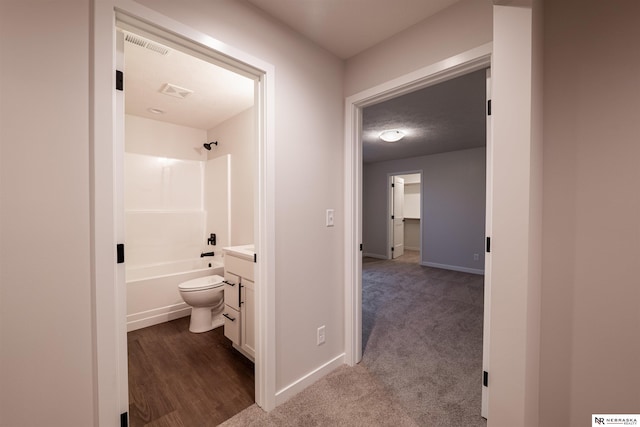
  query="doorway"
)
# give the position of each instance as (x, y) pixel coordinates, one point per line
(189, 173)
(405, 206)
(454, 67)
(107, 153)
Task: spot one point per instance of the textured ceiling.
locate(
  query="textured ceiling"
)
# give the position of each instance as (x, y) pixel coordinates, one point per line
(448, 116)
(347, 27)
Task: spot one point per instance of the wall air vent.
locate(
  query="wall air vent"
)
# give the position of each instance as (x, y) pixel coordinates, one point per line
(175, 91)
(142, 42)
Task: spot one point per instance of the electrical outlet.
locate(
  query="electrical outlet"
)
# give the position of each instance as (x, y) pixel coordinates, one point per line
(321, 335)
(329, 217)
(476, 257)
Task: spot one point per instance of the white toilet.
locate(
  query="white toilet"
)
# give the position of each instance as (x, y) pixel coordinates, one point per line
(205, 295)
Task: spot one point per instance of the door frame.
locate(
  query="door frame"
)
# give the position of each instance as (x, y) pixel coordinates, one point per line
(421, 173)
(486, 323)
(466, 62)
(108, 296)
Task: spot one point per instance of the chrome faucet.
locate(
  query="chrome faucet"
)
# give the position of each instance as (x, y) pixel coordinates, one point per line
(204, 254)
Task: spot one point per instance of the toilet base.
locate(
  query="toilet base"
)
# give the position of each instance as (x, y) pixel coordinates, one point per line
(204, 320)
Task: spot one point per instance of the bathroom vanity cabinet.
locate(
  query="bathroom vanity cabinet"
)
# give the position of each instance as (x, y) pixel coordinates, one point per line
(239, 291)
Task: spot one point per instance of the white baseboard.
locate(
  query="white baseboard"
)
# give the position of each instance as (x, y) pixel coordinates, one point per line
(304, 382)
(378, 256)
(453, 267)
(156, 316)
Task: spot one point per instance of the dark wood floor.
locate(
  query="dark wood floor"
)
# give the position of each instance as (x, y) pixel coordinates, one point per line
(177, 378)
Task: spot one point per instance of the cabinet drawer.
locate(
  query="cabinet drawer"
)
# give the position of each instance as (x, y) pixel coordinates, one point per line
(232, 290)
(239, 266)
(231, 324)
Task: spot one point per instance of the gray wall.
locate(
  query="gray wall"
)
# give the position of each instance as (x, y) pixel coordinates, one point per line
(590, 325)
(453, 207)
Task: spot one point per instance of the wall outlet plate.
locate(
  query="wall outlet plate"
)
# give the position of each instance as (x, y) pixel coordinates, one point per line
(320, 335)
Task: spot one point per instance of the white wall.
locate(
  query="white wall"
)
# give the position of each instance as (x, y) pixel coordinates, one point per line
(412, 203)
(411, 195)
(163, 139)
(591, 322)
(46, 356)
(458, 28)
(236, 137)
(308, 134)
(453, 207)
(412, 234)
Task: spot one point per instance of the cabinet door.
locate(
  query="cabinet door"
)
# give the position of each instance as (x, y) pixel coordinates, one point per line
(248, 317)
(232, 324)
(232, 290)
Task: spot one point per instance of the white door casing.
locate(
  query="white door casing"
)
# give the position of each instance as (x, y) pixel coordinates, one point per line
(484, 409)
(466, 62)
(108, 122)
(121, 285)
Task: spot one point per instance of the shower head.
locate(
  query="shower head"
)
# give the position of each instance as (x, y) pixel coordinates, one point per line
(208, 145)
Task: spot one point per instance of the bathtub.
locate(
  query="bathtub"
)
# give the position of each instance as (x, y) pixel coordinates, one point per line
(152, 290)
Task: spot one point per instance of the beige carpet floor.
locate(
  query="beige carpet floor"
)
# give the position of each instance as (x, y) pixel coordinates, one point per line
(422, 356)
(345, 397)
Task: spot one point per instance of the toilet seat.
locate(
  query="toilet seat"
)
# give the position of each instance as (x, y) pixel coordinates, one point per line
(201, 283)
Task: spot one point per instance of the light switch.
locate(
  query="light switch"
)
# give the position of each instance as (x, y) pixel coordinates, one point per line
(329, 217)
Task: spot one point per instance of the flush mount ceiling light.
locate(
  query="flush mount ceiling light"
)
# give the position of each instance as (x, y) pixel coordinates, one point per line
(155, 110)
(392, 135)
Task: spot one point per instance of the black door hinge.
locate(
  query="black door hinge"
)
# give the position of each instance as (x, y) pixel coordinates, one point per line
(393, 217)
(119, 80)
(392, 185)
(488, 244)
(485, 378)
(124, 419)
(392, 249)
(120, 253)
(488, 107)
(360, 247)
(255, 257)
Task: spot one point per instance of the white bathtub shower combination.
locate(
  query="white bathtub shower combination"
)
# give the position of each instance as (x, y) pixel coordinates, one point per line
(152, 290)
(171, 207)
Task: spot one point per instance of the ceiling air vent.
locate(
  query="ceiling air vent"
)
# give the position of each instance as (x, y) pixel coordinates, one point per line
(175, 91)
(142, 42)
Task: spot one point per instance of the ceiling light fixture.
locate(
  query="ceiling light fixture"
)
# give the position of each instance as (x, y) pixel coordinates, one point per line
(155, 110)
(391, 135)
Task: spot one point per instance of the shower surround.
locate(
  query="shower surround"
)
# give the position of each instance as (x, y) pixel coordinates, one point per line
(171, 205)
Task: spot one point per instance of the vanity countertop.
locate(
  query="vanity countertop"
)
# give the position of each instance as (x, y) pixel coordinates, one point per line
(245, 251)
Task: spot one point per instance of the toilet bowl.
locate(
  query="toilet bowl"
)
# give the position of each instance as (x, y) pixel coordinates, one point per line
(205, 295)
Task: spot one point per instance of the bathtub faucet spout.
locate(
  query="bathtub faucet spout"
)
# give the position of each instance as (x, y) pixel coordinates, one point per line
(204, 254)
